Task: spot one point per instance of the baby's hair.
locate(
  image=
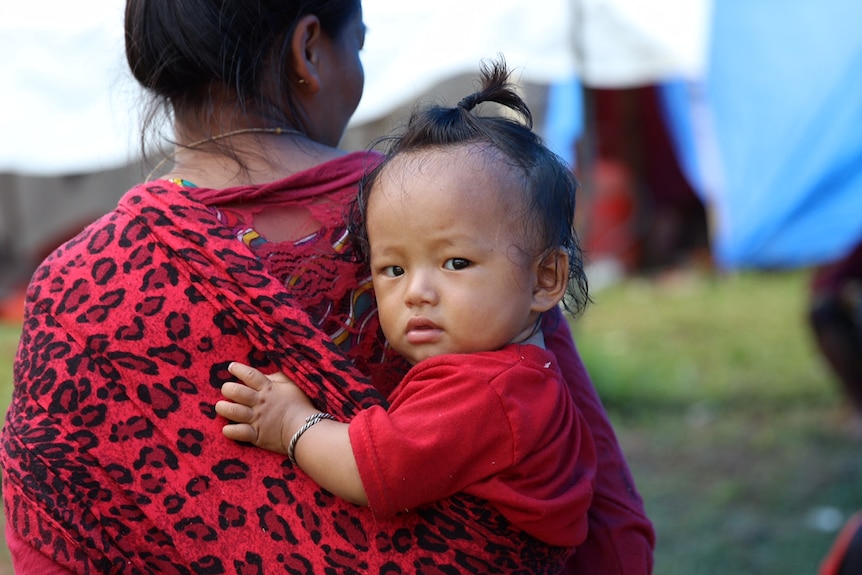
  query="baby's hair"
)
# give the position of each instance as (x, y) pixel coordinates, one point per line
(547, 181)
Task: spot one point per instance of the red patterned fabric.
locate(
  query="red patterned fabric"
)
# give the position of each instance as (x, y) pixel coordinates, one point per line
(113, 457)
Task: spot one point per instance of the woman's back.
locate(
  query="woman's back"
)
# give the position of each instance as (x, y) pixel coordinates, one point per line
(111, 454)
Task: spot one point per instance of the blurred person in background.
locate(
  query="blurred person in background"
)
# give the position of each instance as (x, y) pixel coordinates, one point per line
(835, 317)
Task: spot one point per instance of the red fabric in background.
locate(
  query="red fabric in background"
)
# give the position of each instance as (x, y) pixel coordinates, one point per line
(639, 207)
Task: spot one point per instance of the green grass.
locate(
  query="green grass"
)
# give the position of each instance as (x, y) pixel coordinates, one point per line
(9, 335)
(8, 343)
(735, 431)
(733, 339)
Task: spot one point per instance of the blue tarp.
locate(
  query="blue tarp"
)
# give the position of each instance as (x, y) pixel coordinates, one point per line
(772, 138)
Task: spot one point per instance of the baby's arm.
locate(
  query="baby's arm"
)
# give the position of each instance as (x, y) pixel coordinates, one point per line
(268, 410)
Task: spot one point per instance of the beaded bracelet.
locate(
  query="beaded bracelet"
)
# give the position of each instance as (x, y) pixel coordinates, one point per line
(309, 421)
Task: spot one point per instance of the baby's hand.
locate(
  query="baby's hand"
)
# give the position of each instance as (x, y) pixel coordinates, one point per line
(264, 408)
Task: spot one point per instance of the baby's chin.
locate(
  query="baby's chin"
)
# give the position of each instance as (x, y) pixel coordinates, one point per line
(414, 356)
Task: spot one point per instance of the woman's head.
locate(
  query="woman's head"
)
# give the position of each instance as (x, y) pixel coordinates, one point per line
(219, 65)
(544, 187)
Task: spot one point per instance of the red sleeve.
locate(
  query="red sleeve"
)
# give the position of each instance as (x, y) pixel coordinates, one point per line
(500, 426)
(621, 537)
(406, 456)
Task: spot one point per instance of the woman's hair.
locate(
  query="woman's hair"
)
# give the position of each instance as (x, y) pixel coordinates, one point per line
(189, 54)
(548, 183)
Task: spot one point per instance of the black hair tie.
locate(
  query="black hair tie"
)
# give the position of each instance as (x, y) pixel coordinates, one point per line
(469, 102)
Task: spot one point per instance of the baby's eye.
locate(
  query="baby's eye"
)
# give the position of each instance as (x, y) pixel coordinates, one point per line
(393, 271)
(456, 264)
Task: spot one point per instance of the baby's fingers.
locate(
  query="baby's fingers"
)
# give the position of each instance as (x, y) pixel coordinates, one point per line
(250, 376)
(234, 411)
(239, 393)
(240, 432)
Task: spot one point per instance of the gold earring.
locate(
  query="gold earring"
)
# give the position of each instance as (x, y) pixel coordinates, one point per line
(303, 81)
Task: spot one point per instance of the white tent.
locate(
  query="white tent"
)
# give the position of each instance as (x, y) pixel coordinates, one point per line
(763, 97)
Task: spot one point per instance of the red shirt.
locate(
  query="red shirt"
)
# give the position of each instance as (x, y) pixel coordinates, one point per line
(501, 426)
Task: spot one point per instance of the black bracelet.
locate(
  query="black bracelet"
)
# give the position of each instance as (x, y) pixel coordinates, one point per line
(309, 421)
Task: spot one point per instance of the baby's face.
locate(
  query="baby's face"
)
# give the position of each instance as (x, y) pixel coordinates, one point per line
(449, 269)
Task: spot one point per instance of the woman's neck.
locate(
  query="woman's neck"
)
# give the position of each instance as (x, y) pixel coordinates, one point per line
(247, 157)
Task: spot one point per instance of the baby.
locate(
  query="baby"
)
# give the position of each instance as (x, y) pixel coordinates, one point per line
(468, 223)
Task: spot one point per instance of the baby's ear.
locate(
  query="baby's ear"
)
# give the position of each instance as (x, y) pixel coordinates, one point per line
(552, 279)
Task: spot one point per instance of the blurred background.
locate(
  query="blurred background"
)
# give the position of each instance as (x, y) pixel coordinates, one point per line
(719, 147)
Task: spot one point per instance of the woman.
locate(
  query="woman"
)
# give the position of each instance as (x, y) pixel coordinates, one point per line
(113, 458)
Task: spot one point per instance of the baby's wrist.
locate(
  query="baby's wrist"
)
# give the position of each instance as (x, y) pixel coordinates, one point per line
(307, 423)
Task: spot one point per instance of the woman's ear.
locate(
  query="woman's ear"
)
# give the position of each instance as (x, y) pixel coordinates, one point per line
(552, 279)
(306, 46)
